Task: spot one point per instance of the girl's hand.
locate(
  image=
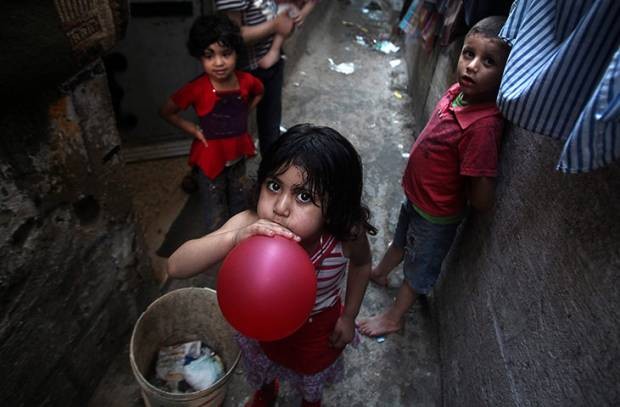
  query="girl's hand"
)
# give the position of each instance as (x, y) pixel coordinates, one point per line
(266, 228)
(343, 332)
(200, 136)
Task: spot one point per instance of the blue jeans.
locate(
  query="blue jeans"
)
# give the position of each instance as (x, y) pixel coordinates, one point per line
(426, 244)
(269, 110)
(224, 196)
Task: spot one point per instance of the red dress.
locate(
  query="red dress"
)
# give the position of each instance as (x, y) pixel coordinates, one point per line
(223, 119)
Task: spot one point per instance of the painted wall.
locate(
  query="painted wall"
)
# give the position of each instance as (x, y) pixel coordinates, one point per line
(73, 272)
(529, 300)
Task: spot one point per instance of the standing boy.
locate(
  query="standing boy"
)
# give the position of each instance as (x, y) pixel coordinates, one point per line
(453, 160)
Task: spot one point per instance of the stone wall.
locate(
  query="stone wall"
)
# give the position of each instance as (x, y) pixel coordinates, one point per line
(528, 303)
(73, 276)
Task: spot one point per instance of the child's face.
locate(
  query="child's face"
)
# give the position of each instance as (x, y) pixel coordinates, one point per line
(219, 62)
(286, 200)
(480, 68)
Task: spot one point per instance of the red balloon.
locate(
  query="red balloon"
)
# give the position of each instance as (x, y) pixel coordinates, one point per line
(266, 287)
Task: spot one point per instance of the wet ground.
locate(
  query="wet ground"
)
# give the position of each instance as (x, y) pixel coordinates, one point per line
(370, 106)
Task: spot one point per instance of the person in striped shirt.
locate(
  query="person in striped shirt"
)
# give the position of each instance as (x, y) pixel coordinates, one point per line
(259, 23)
(452, 162)
(309, 190)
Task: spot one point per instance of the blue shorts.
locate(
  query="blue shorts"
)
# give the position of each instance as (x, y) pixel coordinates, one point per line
(426, 244)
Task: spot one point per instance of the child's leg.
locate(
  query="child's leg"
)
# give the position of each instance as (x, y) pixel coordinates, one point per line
(273, 55)
(213, 200)
(426, 247)
(392, 258)
(266, 396)
(395, 252)
(236, 188)
(391, 320)
(259, 372)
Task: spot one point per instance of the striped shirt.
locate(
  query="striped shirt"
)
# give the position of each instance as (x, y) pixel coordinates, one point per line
(253, 12)
(594, 142)
(330, 265)
(558, 75)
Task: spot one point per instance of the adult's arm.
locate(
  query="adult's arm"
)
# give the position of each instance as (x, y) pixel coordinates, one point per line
(282, 24)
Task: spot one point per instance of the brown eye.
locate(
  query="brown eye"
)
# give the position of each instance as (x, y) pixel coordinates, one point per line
(304, 197)
(272, 185)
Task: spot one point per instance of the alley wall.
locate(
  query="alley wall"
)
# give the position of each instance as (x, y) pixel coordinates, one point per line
(74, 275)
(528, 302)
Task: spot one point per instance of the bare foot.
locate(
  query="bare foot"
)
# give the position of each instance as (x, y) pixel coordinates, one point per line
(378, 278)
(379, 325)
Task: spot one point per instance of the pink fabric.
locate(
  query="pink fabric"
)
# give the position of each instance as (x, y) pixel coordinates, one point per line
(260, 370)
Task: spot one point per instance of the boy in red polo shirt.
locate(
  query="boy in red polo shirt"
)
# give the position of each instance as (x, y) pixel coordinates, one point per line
(453, 161)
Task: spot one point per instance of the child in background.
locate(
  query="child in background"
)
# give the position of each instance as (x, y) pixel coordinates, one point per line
(297, 10)
(222, 98)
(310, 188)
(452, 161)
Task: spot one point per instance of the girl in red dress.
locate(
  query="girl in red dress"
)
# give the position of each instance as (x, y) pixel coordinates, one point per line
(222, 98)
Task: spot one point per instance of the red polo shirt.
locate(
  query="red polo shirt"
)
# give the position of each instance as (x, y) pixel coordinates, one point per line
(457, 142)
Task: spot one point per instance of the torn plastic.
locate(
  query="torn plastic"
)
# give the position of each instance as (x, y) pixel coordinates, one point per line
(346, 68)
(187, 367)
(387, 47)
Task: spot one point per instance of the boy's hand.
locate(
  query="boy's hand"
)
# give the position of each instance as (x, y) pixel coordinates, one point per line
(482, 193)
(266, 228)
(343, 332)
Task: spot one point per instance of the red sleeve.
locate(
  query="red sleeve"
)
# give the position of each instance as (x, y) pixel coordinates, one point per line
(185, 96)
(479, 148)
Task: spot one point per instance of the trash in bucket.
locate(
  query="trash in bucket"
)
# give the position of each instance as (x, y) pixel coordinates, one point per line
(186, 368)
(178, 317)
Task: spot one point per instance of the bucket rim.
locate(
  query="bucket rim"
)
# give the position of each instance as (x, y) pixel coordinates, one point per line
(179, 396)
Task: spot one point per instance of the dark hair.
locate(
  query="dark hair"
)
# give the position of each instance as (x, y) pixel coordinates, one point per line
(489, 27)
(210, 29)
(332, 171)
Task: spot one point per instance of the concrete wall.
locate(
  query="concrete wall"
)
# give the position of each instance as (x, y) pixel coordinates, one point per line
(73, 274)
(528, 303)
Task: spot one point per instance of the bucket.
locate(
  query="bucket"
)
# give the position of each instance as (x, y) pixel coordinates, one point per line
(183, 315)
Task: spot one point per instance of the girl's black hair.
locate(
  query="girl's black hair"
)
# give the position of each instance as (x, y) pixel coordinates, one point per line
(210, 29)
(332, 171)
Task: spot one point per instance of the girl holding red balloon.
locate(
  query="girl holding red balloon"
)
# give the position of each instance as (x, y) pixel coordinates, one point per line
(309, 192)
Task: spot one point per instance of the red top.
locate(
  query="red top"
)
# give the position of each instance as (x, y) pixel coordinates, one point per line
(457, 142)
(200, 94)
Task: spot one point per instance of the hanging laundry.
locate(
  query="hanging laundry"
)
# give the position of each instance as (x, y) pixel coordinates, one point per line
(594, 142)
(561, 51)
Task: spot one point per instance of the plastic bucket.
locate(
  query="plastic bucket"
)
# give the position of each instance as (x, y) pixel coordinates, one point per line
(183, 315)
